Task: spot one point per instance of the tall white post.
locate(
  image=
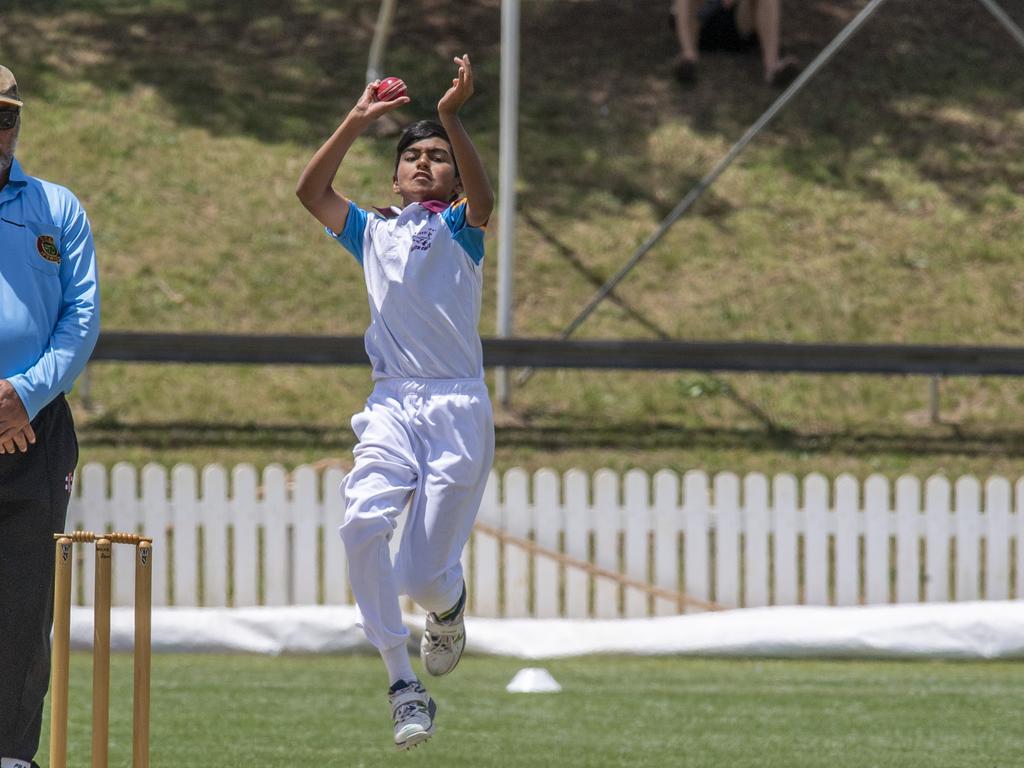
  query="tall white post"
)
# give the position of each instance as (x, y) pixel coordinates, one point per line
(508, 163)
(385, 18)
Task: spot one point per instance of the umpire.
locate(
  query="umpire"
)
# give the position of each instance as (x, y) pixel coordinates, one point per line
(49, 321)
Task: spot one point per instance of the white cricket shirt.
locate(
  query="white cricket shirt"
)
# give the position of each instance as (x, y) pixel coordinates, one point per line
(423, 267)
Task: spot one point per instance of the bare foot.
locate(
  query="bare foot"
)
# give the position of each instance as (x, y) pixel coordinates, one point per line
(685, 70)
(784, 73)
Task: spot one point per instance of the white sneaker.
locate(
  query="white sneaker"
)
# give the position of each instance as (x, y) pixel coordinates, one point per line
(443, 642)
(413, 710)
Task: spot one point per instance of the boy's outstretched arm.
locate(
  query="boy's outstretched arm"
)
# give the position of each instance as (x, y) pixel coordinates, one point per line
(479, 195)
(314, 189)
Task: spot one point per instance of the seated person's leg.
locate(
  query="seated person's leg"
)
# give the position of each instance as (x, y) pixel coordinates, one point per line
(746, 17)
(765, 16)
(685, 21)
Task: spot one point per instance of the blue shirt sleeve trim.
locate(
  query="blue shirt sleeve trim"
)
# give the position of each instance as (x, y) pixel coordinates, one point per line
(353, 234)
(470, 238)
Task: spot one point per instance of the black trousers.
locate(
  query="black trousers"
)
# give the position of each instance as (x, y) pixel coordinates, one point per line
(34, 490)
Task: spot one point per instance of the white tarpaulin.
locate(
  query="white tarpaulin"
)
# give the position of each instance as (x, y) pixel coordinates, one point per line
(978, 630)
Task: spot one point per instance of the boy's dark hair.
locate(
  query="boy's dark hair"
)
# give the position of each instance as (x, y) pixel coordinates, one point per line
(418, 131)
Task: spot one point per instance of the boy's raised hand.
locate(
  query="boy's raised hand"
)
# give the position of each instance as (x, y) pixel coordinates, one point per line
(461, 90)
(369, 107)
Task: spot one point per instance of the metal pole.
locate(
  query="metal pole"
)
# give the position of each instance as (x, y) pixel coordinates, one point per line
(705, 183)
(507, 182)
(1003, 18)
(380, 38)
(85, 389)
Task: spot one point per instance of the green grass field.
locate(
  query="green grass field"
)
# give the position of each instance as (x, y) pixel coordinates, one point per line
(243, 710)
(885, 205)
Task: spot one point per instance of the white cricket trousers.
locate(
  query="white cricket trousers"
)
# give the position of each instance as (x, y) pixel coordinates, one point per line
(427, 444)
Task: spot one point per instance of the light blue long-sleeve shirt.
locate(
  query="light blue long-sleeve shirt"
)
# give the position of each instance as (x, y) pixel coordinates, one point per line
(49, 296)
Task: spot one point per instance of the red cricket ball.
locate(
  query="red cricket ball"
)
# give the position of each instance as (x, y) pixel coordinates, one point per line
(390, 88)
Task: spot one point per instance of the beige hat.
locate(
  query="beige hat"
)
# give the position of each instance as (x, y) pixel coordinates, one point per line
(8, 88)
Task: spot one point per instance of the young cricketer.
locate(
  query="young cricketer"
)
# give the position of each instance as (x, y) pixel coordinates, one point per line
(426, 435)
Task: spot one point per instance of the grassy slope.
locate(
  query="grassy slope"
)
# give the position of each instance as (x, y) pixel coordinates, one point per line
(243, 710)
(885, 205)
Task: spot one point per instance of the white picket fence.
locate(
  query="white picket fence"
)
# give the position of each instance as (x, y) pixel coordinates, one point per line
(241, 539)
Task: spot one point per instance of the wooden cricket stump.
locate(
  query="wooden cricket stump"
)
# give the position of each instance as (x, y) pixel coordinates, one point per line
(101, 646)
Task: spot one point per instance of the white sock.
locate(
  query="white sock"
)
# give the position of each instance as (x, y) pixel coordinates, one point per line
(13, 762)
(397, 661)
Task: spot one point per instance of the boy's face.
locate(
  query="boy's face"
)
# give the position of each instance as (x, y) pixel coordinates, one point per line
(426, 171)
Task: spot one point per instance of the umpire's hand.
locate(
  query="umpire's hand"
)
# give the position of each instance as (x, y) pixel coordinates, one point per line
(15, 430)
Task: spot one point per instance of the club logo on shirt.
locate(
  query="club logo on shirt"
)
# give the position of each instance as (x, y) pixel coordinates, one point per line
(48, 248)
(421, 240)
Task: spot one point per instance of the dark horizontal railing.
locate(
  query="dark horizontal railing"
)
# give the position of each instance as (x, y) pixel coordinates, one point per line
(769, 357)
